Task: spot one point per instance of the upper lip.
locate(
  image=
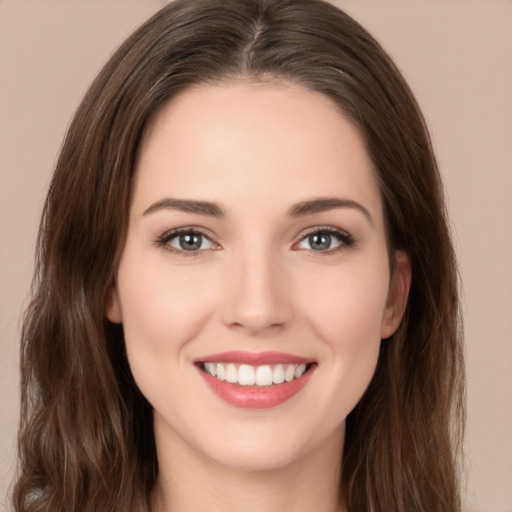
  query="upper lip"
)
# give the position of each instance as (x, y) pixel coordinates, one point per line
(253, 358)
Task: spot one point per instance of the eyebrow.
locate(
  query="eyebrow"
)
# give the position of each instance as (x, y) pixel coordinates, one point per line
(324, 204)
(301, 209)
(188, 206)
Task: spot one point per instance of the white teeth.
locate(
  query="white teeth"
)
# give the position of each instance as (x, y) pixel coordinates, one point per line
(231, 373)
(289, 373)
(247, 375)
(221, 372)
(278, 376)
(300, 370)
(263, 375)
(211, 368)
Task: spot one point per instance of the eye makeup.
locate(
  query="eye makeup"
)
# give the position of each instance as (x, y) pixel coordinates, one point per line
(193, 241)
(324, 240)
(186, 241)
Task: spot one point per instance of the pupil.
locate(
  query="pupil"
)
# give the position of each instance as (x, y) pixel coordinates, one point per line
(190, 242)
(320, 241)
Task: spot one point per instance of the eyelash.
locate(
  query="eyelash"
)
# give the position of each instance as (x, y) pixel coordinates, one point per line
(346, 240)
(164, 239)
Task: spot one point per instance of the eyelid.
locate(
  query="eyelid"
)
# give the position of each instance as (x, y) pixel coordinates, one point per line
(164, 238)
(346, 239)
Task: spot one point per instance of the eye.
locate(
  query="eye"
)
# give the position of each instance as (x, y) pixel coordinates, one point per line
(190, 242)
(325, 240)
(186, 241)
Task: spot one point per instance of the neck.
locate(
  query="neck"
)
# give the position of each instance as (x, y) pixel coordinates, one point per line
(189, 481)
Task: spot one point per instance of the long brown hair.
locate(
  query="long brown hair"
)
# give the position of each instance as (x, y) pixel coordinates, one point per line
(86, 435)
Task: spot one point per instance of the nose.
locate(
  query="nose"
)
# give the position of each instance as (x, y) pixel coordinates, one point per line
(257, 298)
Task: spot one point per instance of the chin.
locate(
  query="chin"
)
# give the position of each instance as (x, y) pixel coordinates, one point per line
(269, 448)
(257, 458)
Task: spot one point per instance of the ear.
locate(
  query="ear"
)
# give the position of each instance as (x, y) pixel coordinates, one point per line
(399, 286)
(113, 307)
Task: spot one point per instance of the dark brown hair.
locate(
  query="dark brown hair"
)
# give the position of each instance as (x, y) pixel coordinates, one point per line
(86, 435)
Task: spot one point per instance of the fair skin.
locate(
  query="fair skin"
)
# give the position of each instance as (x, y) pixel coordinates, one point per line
(281, 248)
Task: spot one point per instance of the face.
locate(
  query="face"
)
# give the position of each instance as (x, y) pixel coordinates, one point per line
(254, 287)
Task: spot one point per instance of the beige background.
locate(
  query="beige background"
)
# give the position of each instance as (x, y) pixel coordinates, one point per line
(457, 56)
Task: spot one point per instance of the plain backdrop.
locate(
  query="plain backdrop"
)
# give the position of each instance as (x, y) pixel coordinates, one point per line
(456, 55)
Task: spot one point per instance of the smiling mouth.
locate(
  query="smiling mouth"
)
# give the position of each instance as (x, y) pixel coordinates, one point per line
(257, 376)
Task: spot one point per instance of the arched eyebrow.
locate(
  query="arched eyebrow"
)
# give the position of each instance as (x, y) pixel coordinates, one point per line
(301, 209)
(188, 206)
(323, 204)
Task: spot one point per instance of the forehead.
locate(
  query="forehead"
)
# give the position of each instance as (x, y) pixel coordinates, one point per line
(236, 138)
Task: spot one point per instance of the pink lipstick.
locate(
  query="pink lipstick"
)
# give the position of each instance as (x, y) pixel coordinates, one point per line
(255, 380)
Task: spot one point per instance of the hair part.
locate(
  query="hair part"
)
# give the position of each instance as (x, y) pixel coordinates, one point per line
(86, 439)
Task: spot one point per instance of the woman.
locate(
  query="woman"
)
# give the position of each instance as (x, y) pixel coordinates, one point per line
(246, 294)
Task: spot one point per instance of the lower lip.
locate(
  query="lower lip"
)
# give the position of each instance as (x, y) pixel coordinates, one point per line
(256, 397)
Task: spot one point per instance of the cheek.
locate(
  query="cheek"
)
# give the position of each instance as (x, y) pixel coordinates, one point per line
(162, 308)
(346, 306)
(346, 314)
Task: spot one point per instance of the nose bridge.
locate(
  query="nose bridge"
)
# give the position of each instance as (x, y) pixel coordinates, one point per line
(256, 299)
